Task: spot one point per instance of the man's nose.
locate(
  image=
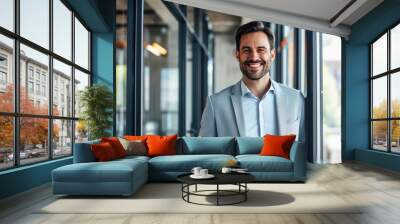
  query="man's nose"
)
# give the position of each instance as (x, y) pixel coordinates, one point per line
(253, 55)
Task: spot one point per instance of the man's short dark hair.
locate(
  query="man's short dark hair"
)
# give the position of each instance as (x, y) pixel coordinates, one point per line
(251, 27)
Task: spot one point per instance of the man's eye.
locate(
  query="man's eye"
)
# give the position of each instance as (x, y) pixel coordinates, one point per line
(261, 51)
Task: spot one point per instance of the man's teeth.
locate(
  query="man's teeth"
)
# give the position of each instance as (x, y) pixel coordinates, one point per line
(254, 64)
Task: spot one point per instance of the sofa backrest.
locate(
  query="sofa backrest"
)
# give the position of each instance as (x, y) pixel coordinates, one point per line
(192, 146)
(249, 145)
(206, 145)
(83, 152)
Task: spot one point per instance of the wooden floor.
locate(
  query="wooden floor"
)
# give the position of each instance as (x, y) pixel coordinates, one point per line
(377, 188)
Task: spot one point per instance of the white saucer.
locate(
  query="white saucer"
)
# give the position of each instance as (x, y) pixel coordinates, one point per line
(208, 176)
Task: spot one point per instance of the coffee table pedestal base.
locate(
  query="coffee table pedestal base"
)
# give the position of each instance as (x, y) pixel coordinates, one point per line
(241, 192)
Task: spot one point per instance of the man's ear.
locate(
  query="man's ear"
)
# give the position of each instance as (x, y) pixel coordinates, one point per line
(237, 54)
(273, 54)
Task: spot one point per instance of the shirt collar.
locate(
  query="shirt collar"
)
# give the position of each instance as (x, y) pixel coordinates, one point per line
(246, 91)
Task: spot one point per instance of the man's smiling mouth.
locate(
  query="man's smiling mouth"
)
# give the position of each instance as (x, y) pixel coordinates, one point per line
(254, 64)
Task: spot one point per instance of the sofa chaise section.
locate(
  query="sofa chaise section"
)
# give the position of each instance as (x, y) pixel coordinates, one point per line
(87, 177)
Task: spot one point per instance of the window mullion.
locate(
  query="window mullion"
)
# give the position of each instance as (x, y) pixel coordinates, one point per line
(371, 89)
(389, 102)
(16, 84)
(73, 81)
(50, 81)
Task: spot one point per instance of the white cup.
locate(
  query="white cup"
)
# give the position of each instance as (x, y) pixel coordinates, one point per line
(203, 172)
(226, 170)
(196, 171)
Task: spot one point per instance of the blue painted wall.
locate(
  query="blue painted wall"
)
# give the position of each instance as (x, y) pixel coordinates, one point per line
(356, 60)
(103, 50)
(24, 178)
(99, 16)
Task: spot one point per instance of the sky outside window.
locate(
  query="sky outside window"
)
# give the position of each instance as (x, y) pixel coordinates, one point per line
(7, 14)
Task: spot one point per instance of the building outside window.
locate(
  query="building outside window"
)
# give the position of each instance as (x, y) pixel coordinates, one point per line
(30, 87)
(385, 97)
(3, 61)
(3, 78)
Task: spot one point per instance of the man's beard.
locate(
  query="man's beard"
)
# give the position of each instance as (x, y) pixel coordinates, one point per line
(266, 66)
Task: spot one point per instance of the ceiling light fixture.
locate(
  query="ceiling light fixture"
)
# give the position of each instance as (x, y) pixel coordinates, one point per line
(156, 49)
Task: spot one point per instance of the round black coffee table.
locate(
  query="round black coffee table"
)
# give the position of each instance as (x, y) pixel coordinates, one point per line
(238, 179)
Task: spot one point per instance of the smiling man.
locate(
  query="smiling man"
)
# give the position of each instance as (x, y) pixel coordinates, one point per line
(256, 105)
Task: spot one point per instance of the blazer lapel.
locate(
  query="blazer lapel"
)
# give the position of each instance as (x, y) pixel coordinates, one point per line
(280, 101)
(236, 99)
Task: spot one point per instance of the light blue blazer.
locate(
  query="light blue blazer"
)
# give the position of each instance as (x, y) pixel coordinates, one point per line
(223, 115)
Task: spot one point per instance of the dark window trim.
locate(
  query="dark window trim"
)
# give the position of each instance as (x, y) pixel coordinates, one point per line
(16, 115)
(388, 74)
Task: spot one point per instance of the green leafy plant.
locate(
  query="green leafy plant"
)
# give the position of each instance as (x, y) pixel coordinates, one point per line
(96, 102)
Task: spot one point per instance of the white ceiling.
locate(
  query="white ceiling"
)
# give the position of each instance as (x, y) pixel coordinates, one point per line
(315, 15)
(322, 9)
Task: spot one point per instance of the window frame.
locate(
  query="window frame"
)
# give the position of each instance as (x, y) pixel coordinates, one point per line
(388, 74)
(16, 115)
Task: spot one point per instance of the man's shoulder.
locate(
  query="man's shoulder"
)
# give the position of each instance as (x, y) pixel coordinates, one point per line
(288, 90)
(224, 92)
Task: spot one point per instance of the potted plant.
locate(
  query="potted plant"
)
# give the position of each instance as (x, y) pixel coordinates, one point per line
(96, 103)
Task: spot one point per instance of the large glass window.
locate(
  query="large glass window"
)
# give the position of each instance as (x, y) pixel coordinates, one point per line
(40, 62)
(161, 76)
(302, 60)
(81, 45)
(62, 137)
(395, 47)
(81, 81)
(35, 21)
(6, 142)
(62, 29)
(44, 110)
(121, 65)
(331, 98)
(62, 89)
(33, 140)
(385, 97)
(6, 74)
(7, 14)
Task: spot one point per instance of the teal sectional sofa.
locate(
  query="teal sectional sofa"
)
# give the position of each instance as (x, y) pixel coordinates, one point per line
(125, 176)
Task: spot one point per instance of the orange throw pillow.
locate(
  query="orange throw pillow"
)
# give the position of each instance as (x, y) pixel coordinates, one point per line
(116, 145)
(135, 137)
(103, 152)
(275, 145)
(161, 145)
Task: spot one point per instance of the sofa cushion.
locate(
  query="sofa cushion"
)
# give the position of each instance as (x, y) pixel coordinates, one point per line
(257, 163)
(208, 145)
(185, 163)
(133, 158)
(249, 145)
(111, 171)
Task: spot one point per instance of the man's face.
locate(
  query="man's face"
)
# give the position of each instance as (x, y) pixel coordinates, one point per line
(255, 55)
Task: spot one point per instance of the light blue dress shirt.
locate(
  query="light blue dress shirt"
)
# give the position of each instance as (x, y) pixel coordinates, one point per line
(259, 114)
